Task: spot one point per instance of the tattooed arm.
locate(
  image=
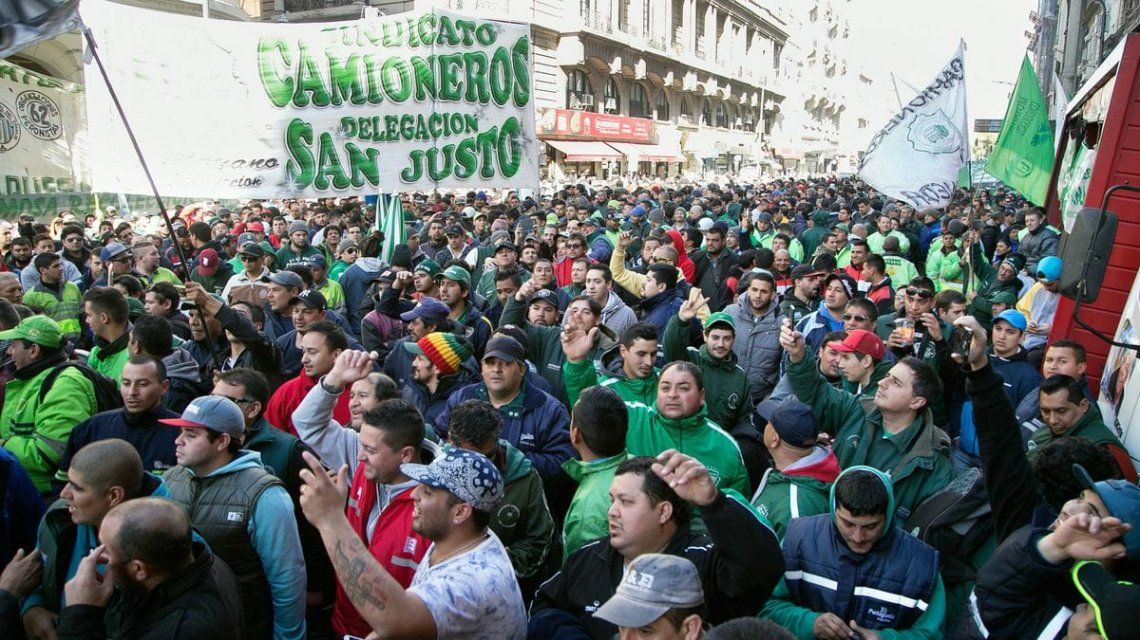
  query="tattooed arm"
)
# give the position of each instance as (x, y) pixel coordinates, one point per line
(382, 602)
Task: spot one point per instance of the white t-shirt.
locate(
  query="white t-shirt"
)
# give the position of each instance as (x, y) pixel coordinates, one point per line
(473, 595)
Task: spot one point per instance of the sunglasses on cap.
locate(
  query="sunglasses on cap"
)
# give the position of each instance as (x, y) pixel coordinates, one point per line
(921, 294)
(851, 316)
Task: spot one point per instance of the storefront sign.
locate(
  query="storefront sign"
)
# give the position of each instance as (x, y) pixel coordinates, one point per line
(565, 124)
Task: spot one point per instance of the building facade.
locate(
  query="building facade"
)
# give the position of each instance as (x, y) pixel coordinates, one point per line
(1072, 37)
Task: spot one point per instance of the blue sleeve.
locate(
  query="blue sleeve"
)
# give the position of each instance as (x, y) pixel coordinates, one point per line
(25, 508)
(273, 532)
(72, 274)
(552, 441)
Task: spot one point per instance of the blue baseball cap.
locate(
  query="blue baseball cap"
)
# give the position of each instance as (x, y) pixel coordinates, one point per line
(1122, 498)
(467, 475)
(429, 308)
(1049, 269)
(1015, 318)
(793, 421)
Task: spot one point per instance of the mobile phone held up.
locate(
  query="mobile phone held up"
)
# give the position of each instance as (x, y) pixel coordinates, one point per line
(960, 340)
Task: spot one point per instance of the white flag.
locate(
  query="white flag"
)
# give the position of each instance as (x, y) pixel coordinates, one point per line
(1057, 113)
(917, 156)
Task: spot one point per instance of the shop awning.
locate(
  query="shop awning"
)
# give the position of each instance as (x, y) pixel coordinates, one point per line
(790, 153)
(585, 150)
(660, 152)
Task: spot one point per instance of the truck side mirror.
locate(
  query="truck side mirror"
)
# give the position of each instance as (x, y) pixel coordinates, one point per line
(1084, 253)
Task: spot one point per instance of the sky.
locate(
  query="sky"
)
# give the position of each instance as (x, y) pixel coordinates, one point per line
(915, 38)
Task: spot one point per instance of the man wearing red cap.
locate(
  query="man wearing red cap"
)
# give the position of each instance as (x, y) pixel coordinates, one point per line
(861, 364)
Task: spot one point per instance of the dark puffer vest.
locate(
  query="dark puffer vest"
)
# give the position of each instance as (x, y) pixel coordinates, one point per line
(220, 508)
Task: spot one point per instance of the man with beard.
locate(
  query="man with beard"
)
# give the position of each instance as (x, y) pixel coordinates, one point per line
(297, 250)
(616, 314)
(159, 582)
(465, 585)
(439, 367)
(756, 318)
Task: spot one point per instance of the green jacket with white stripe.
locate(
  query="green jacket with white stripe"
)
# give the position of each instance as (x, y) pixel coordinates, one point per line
(650, 433)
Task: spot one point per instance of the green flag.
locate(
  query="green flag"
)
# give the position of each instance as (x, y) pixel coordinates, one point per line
(1023, 155)
(390, 222)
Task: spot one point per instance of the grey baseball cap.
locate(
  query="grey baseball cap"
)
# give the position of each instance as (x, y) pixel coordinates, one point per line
(211, 412)
(654, 584)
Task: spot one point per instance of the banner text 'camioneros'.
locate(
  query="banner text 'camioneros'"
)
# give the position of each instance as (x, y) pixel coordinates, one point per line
(413, 101)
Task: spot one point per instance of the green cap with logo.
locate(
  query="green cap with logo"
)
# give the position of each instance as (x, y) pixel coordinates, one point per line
(457, 274)
(720, 317)
(41, 330)
(428, 266)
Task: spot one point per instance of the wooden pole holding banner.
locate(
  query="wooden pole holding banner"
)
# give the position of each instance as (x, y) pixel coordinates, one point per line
(93, 48)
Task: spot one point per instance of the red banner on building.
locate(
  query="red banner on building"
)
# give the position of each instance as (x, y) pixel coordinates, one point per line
(565, 124)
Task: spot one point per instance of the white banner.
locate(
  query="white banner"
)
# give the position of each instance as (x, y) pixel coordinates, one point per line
(42, 139)
(917, 156)
(243, 110)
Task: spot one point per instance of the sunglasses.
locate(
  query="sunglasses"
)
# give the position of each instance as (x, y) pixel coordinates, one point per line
(250, 258)
(921, 294)
(857, 318)
(575, 245)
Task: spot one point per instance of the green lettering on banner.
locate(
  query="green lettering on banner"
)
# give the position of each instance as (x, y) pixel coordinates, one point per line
(467, 27)
(448, 78)
(500, 75)
(520, 58)
(344, 80)
(475, 65)
(487, 141)
(278, 88)
(446, 33)
(309, 81)
(466, 160)
(510, 151)
(415, 171)
(435, 172)
(301, 168)
(397, 79)
(329, 166)
(485, 34)
(425, 79)
(364, 165)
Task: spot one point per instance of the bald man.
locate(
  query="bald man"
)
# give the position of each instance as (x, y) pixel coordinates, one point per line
(162, 583)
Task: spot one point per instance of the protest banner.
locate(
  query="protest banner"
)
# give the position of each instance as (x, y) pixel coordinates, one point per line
(916, 157)
(243, 110)
(1022, 157)
(42, 136)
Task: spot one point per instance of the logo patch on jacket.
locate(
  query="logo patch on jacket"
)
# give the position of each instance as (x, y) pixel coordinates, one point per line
(410, 546)
(235, 516)
(882, 614)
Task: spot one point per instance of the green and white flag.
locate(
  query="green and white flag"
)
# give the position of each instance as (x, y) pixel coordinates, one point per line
(390, 222)
(1023, 155)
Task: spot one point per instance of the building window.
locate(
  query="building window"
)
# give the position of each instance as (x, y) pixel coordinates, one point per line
(638, 101)
(663, 106)
(777, 49)
(721, 116)
(578, 94)
(623, 15)
(611, 101)
(706, 114)
(749, 120)
(686, 107)
(679, 23)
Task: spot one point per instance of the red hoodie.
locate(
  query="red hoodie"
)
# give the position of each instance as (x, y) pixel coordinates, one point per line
(279, 411)
(688, 269)
(825, 470)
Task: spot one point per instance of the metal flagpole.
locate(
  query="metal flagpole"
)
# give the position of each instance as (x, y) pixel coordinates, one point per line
(87, 35)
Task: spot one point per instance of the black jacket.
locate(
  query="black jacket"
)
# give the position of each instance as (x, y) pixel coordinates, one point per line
(200, 603)
(739, 562)
(153, 440)
(1012, 488)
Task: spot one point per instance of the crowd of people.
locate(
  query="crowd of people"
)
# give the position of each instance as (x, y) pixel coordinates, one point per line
(794, 409)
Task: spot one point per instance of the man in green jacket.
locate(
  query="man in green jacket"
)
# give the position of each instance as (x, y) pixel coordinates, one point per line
(522, 521)
(60, 300)
(799, 481)
(36, 431)
(677, 420)
(598, 426)
(1066, 412)
(106, 311)
(628, 369)
(862, 366)
(898, 437)
(729, 399)
(728, 387)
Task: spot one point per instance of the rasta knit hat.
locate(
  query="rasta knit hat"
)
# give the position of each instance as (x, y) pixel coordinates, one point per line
(446, 351)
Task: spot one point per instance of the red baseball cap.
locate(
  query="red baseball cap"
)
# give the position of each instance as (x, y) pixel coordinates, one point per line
(208, 262)
(862, 342)
(255, 227)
